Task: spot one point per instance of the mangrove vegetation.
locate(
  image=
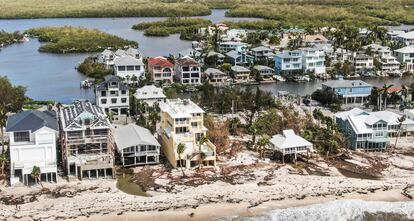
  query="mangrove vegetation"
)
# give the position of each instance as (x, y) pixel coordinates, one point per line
(94, 69)
(187, 27)
(99, 8)
(7, 38)
(77, 40)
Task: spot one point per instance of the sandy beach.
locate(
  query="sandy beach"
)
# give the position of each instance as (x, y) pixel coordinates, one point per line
(250, 186)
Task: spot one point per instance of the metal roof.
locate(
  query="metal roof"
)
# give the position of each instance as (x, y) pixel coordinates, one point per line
(133, 135)
(32, 120)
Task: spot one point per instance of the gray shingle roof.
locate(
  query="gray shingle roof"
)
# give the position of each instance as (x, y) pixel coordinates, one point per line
(109, 78)
(32, 120)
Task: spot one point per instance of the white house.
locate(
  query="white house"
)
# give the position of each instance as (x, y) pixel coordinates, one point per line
(405, 56)
(188, 71)
(112, 95)
(136, 146)
(288, 62)
(107, 57)
(227, 46)
(128, 66)
(363, 62)
(313, 60)
(33, 136)
(150, 95)
(289, 143)
(407, 38)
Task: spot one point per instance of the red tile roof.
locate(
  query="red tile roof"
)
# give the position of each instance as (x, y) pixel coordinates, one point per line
(160, 61)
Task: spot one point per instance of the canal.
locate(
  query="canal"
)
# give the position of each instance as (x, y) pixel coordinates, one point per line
(53, 77)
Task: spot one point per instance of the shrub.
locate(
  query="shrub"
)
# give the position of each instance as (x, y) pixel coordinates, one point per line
(77, 40)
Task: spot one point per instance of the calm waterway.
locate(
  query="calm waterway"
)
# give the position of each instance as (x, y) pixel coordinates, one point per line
(53, 77)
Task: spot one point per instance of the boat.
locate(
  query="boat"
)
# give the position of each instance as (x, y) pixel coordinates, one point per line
(302, 78)
(87, 83)
(279, 78)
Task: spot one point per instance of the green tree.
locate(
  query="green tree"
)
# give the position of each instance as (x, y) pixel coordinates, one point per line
(3, 161)
(261, 144)
(180, 150)
(202, 140)
(36, 173)
(385, 90)
(11, 100)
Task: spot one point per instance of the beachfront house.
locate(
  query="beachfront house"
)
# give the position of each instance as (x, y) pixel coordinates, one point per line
(150, 95)
(182, 123)
(188, 71)
(32, 135)
(239, 57)
(241, 74)
(136, 146)
(128, 66)
(266, 72)
(112, 95)
(371, 130)
(288, 143)
(216, 77)
(161, 69)
(227, 46)
(262, 52)
(86, 141)
(351, 91)
(288, 62)
(363, 63)
(313, 60)
(406, 38)
(405, 56)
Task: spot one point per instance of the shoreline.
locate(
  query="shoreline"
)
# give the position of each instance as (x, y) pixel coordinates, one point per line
(223, 210)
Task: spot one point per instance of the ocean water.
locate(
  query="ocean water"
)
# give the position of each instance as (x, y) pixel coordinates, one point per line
(339, 210)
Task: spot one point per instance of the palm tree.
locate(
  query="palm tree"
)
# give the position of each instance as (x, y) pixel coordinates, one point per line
(36, 175)
(262, 143)
(253, 131)
(3, 161)
(200, 143)
(385, 89)
(400, 122)
(180, 150)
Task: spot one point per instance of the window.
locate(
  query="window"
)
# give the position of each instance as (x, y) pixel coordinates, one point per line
(121, 68)
(103, 101)
(181, 130)
(22, 136)
(123, 92)
(130, 68)
(195, 75)
(87, 122)
(113, 100)
(103, 93)
(186, 75)
(123, 100)
(137, 68)
(194, 124)
(113, 92)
